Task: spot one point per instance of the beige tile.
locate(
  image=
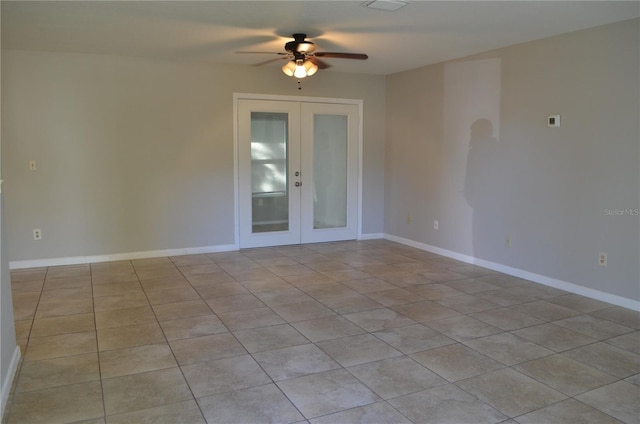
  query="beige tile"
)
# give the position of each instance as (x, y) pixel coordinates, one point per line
(206, 348)
(295, 361)
(186, 328)
(594, 327)
(67, 271)
(308, 279)
(238, 302)
(620, 315)
(251, 318)
(434, 291)
(23, 328)
(224, 375)
(456, 362)
(394, 297)
(61, 345)
(463, 327)
(203, 280)
(345, 275)
(283, 296)
(262, 404)
(368, 285)
(507, 319)
(395, 377)
(60, 306)
(134, 360)
(325, 393)
(413, 338)
(619, 399)
(190, 260)
(118, 289)
(24, 305)
(353, 302)
(161, 297)
(305, 310)
(269, 338)
(107, 278)
(511, 392)
(145, 390)
(67, 283)
(379, 319)
(38, 375)
(265, 285)
(178, 310)
(471, 285)
(27, 286)
(566, 412)
(545, 310)
(565, 375)
(467, 303)
(327, 328)
(507, 348)
(63, 404)
(62, 325)
(124, 317)
(425, 311)
(579, 303)
(554, 337)
(355, 350)
(200, 269)
(128, 336)
(376, 412)
(221, 290)
(111, 303)
(629, 341)
(31, 274)
(168, 282)
(610, 359)
(181, 412)
(445, 404)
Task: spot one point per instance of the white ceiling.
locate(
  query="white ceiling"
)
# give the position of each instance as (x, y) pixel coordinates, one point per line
(421, 33)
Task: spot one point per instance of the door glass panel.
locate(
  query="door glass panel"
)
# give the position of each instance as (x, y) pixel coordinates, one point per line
(329, 171)
(269, 188)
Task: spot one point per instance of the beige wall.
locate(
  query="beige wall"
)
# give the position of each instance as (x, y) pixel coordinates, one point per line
(468, 145)
(137, 155)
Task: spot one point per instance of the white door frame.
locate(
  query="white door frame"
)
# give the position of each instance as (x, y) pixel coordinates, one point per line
(236, 157)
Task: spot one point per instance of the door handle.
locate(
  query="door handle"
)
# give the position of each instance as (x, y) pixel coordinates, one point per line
(298, 184)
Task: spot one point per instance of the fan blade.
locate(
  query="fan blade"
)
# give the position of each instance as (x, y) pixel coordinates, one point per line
(359, 56)
(319, 63)
(278, 53)
(270, 61)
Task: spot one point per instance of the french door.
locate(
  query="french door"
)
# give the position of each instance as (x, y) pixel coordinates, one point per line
(298, 172)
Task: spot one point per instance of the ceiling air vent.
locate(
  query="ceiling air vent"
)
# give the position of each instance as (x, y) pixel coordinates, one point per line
(388, 5)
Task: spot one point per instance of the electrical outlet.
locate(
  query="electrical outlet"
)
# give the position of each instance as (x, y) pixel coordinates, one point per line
(37, 234)
(602, 259)
(32, 165)
(408, 219)
(507, 242)
(436, 225)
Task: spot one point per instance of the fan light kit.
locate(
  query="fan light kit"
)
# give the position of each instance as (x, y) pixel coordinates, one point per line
(303, 60)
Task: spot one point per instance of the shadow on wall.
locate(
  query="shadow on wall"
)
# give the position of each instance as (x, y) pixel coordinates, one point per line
(483, 187)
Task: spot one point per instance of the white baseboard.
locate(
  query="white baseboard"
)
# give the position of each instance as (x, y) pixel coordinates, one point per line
(516, 272)
(371, 236)
(8, 379)
(77, 260)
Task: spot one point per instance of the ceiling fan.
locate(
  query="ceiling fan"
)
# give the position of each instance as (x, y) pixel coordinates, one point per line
(303, 59)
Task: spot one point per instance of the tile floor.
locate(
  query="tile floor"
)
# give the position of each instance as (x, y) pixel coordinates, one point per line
(348, 332)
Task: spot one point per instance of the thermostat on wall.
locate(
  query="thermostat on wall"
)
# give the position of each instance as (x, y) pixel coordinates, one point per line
(553, 121)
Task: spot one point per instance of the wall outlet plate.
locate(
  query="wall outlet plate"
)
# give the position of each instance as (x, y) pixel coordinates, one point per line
(553, 121)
